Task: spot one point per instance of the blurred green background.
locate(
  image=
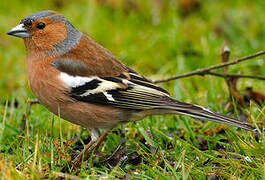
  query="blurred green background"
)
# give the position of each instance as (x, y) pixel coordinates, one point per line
(158, 39)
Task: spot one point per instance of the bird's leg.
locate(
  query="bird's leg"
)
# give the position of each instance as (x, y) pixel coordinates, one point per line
(101, 139)
(95, 136)
(119, 146)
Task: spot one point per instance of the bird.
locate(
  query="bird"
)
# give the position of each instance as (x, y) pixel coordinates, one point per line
(78, 79)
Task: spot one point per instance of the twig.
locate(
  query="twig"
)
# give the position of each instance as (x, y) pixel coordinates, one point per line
(23, 121)
(231, 82)
(60, 175)
(235, 75)
(225, 54)
(30, 103)
(203, 71)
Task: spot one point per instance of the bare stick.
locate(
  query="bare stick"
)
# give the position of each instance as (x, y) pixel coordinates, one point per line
(225, 53)
(30, 103)
(60, 175)
(235, 75)
(203, 71)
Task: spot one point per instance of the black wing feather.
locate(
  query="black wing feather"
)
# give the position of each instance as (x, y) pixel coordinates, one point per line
(138, 94)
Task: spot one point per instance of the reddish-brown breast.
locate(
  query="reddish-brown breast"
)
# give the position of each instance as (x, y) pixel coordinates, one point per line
(50, 91)
(45, 84)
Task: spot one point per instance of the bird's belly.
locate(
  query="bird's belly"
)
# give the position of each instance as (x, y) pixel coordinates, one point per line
(80, 113)
(92, 115)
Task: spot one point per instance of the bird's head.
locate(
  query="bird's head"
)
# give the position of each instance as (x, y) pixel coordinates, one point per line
(47, 31)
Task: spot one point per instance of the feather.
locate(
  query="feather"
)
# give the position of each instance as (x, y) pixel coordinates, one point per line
(132, 91)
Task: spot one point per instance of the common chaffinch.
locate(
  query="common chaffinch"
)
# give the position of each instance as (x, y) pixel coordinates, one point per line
(72, 75)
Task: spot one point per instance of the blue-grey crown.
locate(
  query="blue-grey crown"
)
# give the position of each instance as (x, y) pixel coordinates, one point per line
(40, 14)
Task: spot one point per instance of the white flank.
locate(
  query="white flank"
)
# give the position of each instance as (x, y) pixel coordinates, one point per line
(74, 81)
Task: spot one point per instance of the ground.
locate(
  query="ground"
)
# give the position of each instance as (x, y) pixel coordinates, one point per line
(158, 39)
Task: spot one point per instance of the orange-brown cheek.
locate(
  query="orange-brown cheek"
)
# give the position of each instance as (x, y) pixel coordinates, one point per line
(50, 36)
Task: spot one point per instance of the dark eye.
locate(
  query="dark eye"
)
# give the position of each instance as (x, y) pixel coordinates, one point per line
(40, 25)
(28, 22)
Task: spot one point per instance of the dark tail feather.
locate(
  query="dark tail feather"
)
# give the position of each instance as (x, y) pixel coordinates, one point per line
(201, 113)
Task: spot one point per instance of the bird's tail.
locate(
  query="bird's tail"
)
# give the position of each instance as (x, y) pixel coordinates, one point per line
(201, 113)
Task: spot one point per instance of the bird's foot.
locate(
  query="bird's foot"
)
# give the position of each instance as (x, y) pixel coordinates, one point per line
(117, 148)
(88, 149)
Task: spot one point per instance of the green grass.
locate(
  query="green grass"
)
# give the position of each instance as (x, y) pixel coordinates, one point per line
(157, 41)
